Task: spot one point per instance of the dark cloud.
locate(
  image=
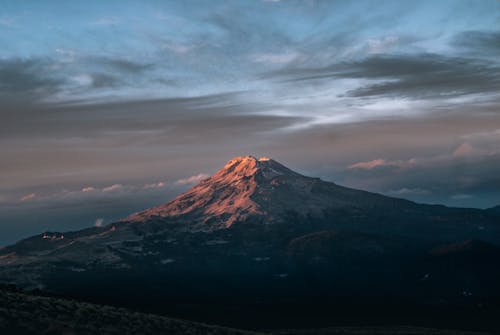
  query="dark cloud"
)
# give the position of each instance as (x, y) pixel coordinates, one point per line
(427, 76)
(107, 72)
(100, 80)
(123, 65)
(27, 79)
(201, 114)
(481, 43)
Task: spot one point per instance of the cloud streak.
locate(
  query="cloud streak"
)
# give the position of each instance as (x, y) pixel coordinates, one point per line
(429, 76)
(193, 179)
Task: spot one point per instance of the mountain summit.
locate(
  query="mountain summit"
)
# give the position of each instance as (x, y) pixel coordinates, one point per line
(239, 191)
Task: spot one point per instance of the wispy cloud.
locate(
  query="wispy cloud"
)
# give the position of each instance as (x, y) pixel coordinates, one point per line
(112, 188)
(275, 58)
(408, 191)
(99, 222)
(178, 48)
(193, 179)
(464, 150)
(28, 197)
(413, 76)
(382, 45)
(104, 192)
(159, 184)
(368, 165)
(461, 196)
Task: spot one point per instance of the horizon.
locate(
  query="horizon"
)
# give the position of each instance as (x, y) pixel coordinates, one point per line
(110, 108)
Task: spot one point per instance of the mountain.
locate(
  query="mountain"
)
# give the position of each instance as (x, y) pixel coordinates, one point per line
(262, 191)
(257, 232)
(258, 190)
(495, 209)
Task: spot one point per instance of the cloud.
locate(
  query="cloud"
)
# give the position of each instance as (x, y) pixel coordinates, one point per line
(382, 45)
(461, 196)
(28, 197)
(70, 54)
(275, 58)
(479, 144)
(485, 142)
(478, 43)
(178, 48)
(368, 165)
(89, 193)
(408, 191)
(414, 76)
(381, 163)
(464, 150)
(95, 80)
(27, 79)
(193, 179)
(67, 76)
(438, 177)
(121, 65)
(159, 184)
(112, 188)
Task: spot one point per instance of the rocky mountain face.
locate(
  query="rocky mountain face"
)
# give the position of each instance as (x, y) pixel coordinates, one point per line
(250, 189)
(258, 232)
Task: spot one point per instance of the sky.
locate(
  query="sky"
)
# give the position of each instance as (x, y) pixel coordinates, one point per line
(110, 107)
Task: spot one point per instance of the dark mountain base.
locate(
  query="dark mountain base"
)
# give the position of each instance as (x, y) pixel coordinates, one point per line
(401, 330)
(280, 303)
(30, 313)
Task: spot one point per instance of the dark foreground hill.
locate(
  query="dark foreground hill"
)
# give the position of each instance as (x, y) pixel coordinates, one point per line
(30, 314)
(23, 313)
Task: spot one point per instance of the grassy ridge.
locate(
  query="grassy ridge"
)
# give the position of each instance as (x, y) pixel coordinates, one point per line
(22, 313)
(29, 314)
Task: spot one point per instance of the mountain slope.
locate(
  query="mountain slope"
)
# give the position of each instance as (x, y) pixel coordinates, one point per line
(264, 191)
(495, 210)
(247, 187)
